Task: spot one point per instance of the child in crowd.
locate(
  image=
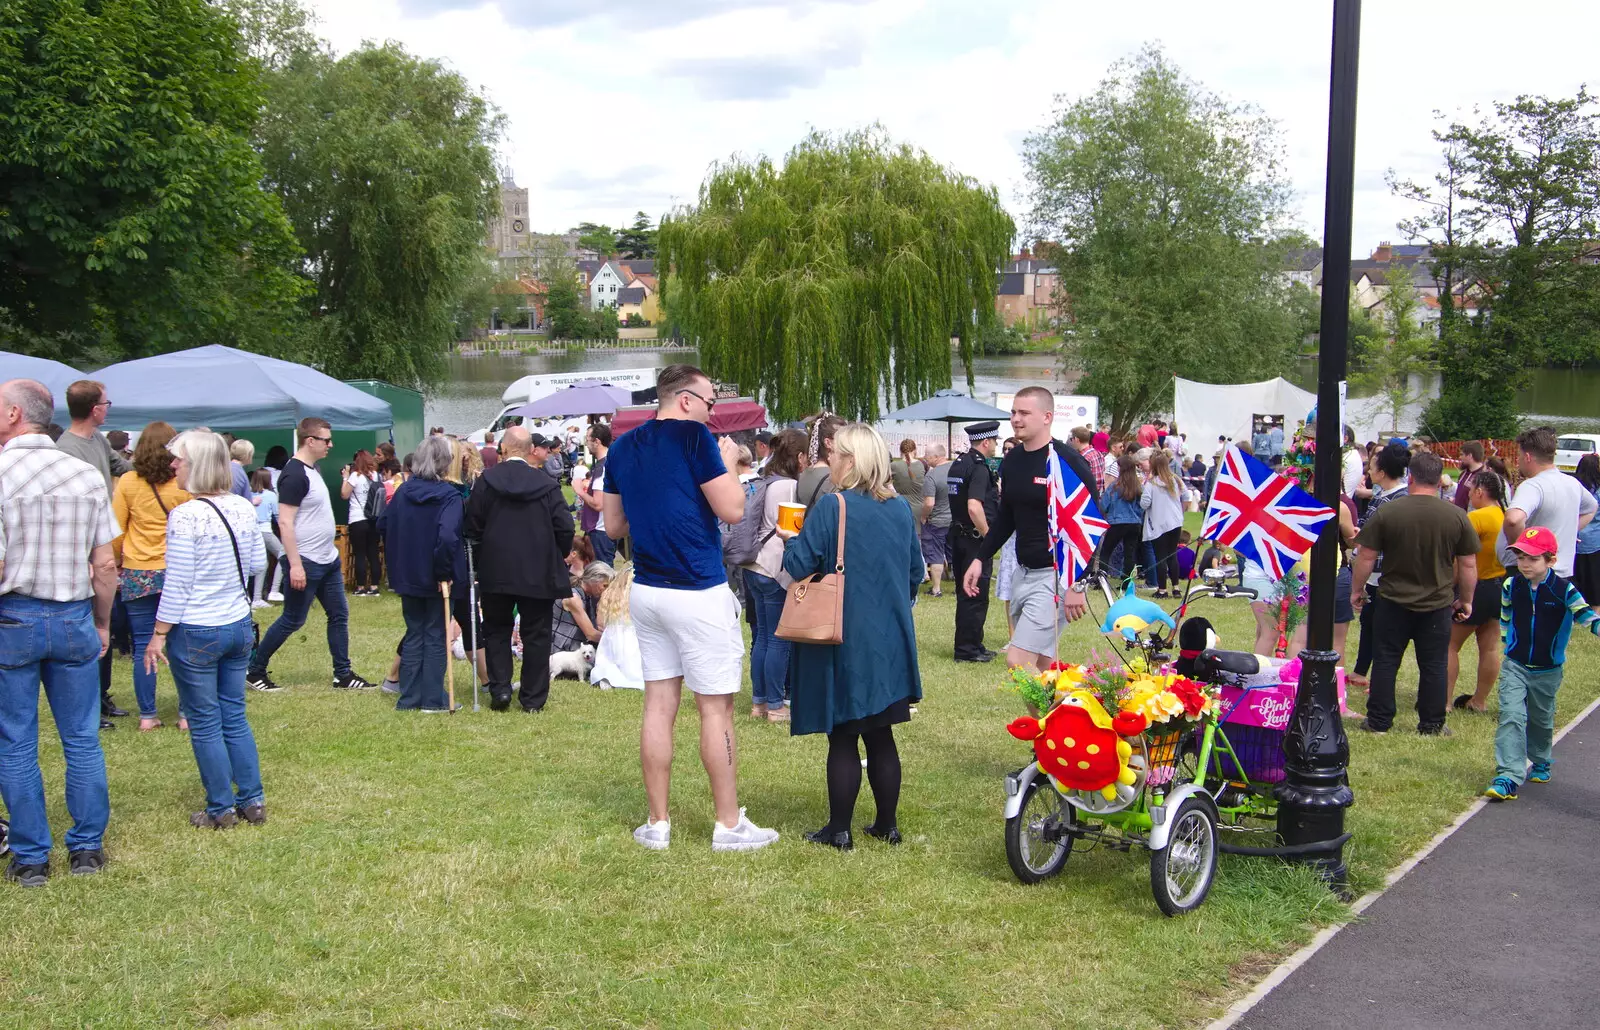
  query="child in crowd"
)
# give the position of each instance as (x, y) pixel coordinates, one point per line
(269, 585)
(1537, 610)
(616, 661)
(1185, 556)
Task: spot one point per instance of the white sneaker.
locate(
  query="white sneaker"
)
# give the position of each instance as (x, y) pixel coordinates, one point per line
(458, 650)
(259, 604)
(746, 836)
(276, 597)
(655, 836)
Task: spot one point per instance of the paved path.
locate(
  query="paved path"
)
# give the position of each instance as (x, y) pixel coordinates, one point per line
(1498, 928)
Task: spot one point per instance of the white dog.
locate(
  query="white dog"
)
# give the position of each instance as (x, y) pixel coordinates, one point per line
(575, 664)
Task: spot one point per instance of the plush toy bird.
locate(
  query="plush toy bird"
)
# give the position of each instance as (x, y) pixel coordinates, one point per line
(1132, 615)
(1080, 745)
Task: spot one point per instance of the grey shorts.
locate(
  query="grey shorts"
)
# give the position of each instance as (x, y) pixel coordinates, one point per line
(935, 544)
(1036, 614)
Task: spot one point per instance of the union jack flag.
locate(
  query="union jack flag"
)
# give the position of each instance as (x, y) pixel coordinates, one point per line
(1262, 515)
(1074, 522)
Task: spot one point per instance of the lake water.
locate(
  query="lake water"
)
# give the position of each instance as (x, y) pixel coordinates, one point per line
(1568, 400)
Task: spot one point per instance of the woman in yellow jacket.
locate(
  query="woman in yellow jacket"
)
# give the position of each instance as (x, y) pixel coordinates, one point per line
(141, 502)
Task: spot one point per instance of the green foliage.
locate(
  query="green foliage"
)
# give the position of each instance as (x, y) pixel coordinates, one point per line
(841, 274)
(1159, 195)
(132, 218)
(1398, 352)
(599, 238)
(1524, 191)
(566, 307)
(603, 323)
(638, 240)
(385, 165)
(997, 338)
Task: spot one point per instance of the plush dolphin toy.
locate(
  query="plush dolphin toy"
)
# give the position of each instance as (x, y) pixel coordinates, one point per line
(1132, 615)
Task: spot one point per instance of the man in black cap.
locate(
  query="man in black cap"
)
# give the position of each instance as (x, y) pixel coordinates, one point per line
(974, 501)
(763, 449)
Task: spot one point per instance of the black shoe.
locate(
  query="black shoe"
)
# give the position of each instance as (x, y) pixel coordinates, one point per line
(260, 681)
(533, 711)
(87, 862)
(991, 654)
(1365, 726)
(982, 657)
(28, 875)
(107, 724)
(499, 702)
(109, 708)
(206, 821)
(888, 836)
(254, 814)
(840, 840)
(351, 682)
(1440, 730)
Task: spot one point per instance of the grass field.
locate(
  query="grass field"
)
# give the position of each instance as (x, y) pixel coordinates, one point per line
(477, 870)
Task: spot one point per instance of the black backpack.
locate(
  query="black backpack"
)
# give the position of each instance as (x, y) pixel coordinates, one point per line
(743, 542)
(377, 500)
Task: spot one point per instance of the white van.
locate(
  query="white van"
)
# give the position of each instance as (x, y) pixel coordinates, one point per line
(531, 388)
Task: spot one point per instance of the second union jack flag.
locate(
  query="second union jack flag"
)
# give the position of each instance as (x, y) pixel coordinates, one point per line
(1262, 515)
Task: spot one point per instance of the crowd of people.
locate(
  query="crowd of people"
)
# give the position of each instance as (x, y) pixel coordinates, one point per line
(671, 540)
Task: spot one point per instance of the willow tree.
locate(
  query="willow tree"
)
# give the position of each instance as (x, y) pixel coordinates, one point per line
(838, 279)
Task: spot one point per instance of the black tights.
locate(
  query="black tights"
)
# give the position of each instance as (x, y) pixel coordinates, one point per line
(844, 777)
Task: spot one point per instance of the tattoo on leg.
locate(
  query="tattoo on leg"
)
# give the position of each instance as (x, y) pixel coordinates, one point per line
(727, 740)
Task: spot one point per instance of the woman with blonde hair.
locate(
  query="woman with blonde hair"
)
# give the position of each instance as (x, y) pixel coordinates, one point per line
(213, 547)
(858, 690)
(141, 502)
(1162, 501)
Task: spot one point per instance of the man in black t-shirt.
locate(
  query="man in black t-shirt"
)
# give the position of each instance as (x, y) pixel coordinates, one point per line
(973, 503)
(1038, 605)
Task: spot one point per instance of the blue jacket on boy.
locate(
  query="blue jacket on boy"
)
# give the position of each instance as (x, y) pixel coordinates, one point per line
(1537, 620)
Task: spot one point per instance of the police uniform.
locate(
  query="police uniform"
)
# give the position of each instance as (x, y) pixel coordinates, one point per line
(971, 479)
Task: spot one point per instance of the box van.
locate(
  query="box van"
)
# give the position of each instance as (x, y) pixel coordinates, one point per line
(1574, 446)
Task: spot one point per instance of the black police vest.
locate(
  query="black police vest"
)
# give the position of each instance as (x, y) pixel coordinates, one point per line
(961, 489)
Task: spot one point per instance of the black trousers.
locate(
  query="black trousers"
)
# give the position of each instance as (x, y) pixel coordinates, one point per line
(499, 611)
(1124, 535)
(971, 612)
(1394, 626)
(1364, 649)
(364, 553)
(1167, 559)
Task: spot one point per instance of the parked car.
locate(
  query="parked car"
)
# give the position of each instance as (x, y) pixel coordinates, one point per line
(1573, 446)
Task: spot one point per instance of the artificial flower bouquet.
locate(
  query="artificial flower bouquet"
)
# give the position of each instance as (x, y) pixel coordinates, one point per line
(1152, 703)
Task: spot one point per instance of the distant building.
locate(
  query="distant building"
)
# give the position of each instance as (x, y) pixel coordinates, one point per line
(602, 280)
(513, 243)
(1025, 293)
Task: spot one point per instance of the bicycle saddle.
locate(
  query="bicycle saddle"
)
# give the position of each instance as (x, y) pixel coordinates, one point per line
(1233, 663)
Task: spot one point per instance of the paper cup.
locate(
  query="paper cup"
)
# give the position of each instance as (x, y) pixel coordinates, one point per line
(791, 516)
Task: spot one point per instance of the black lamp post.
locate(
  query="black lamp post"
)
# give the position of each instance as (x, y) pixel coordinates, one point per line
(1316, 789)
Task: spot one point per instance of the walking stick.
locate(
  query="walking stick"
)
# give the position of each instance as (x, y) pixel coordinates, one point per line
(472, 598)
(449, 666)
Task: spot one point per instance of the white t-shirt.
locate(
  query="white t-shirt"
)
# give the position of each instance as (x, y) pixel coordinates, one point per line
(360, 486)
(597, 485)
(1355, 467)
(301, 486)
(1556, 501)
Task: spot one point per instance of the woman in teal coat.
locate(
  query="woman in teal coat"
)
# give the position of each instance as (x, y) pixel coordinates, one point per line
(861, 688)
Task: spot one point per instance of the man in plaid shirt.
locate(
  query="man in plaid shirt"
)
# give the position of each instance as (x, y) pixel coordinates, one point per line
(57, 578)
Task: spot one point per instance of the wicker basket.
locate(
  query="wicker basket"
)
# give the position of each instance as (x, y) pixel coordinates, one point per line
(1161, 754)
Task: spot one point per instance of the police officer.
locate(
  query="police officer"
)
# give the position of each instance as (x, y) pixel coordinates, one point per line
(974, 500)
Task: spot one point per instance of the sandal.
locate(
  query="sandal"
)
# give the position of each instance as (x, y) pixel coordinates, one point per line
(1357, 680)
(183, 724)
(149, 725)
(1463, 703)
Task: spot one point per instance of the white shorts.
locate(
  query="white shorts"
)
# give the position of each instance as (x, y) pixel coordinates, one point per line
(690, 633)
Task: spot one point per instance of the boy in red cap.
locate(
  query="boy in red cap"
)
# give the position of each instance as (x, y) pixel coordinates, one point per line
(1537, 610)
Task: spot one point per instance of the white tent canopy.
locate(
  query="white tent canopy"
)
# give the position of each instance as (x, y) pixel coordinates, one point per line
(1205, 411)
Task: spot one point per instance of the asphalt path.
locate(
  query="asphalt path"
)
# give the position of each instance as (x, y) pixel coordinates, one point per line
(1498, 928)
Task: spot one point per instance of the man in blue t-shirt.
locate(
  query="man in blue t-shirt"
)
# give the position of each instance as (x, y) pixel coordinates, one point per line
(667, 483)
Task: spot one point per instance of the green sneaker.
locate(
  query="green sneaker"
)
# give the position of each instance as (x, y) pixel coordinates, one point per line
(1501, 789)
(1540, 773)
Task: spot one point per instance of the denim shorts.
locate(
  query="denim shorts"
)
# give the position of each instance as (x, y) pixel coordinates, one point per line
(1343, 610)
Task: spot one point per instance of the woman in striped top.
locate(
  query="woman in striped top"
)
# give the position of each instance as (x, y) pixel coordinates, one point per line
(204, 628)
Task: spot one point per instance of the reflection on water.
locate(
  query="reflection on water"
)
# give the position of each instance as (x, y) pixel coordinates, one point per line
(1568, 400)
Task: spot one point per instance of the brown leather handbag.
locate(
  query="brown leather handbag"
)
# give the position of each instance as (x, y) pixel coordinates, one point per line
(813, 613)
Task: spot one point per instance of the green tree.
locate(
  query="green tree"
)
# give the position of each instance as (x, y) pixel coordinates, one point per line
(566, 308)
(1528, 179)
(638, 240)
(385, 165)
(602, 239)
(132, 219)
(603, 323)
(1400, 352)
(1159, 194)
(836, 278)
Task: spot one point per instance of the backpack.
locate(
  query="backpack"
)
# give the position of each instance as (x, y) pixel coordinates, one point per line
(743, 543)
(377, 501)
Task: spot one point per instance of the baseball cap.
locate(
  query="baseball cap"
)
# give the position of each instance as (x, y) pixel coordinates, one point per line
(1535, 541)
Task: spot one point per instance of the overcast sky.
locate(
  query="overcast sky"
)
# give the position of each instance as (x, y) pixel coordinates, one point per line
(623, 105)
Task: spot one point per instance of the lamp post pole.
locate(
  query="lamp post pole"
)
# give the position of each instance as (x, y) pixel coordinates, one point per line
(1316, 789)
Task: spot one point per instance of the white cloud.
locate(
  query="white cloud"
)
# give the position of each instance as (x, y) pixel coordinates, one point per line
(621, 106)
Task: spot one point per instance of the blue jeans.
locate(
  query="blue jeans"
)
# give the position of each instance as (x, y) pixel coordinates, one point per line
(605, 548)
(142, 619)
(422, 653)
(326, 584)
(208, 664)
(54, 641)
(769, 656)
(1527, 718)
(1147, 558)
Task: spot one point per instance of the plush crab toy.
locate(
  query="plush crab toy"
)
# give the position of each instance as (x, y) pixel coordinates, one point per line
(1080, 745)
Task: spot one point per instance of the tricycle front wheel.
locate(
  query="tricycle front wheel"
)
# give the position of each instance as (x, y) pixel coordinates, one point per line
(1037, 845)
(1181, 873)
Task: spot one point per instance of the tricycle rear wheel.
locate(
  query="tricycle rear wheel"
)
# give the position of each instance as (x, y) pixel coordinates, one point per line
(1181, 873)
(1037, 845)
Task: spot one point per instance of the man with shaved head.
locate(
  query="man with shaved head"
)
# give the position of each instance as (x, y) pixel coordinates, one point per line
(518, 523)
(57, 577)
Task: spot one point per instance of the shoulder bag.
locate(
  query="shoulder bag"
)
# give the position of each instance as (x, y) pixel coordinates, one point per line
(238, 562)
(813, 611)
